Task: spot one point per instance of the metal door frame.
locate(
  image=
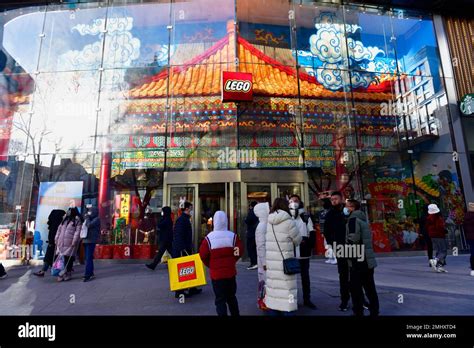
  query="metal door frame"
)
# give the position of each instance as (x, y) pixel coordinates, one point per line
(196, 205)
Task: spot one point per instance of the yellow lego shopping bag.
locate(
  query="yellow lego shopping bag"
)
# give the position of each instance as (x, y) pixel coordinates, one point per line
(186, 272)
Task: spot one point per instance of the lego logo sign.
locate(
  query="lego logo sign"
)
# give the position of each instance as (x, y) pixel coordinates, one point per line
(236, 86)
(186, 271)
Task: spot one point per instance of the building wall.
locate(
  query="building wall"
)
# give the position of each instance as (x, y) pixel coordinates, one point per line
(115, 96)
(460, 32)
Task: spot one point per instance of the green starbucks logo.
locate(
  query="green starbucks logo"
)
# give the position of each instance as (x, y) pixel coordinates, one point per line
(467, 104)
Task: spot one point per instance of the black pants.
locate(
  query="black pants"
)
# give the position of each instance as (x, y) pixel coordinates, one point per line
(305, 281)
(163, 247)
(470, 242)
(344, 288)
(69, 262)
(252, 249)
(2, 270)
(225, 290)
(429, 246)
(49, 256)
(362, 277)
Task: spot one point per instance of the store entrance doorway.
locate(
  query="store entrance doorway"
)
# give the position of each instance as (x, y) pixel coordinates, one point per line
(211, 199)
(206, 200)
(231, 191)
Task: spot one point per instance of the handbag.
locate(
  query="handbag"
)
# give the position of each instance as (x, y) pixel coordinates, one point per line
(291, 265)
(84, 231)
(58, 266)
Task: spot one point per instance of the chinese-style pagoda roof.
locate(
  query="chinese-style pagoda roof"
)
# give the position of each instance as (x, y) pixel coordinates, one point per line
(201, 76)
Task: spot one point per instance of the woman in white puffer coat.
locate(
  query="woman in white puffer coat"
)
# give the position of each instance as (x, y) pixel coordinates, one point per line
(261, 210)
(281, 289)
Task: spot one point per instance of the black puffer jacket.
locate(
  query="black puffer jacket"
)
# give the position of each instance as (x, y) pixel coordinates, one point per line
(165, 226)
(335, 226)
(182, 236)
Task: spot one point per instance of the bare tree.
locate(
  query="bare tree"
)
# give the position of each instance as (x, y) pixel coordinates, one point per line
(35, 137)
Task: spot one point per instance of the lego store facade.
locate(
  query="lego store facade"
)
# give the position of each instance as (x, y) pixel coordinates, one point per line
(119, 105)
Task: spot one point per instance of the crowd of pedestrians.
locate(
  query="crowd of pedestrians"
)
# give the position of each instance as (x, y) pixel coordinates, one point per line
(278, 236)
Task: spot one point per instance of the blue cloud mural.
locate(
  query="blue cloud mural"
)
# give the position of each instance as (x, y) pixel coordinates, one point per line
(330, 53)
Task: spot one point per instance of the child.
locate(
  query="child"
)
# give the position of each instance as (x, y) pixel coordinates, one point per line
(220, 251)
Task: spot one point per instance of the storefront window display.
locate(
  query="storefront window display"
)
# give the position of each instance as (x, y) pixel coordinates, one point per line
(119, 95)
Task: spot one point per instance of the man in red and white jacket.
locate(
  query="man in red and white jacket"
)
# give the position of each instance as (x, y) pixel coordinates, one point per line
(220, 251)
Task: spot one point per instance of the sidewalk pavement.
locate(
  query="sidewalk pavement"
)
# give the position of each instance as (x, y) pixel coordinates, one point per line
(406, 286)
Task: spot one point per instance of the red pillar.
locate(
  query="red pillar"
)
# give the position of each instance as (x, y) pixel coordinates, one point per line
(105, 167)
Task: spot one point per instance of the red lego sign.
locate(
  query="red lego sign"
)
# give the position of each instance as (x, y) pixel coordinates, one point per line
(186, 271)
(236, 86)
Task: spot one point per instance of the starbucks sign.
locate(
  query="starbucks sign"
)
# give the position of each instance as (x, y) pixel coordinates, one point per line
(467, 104)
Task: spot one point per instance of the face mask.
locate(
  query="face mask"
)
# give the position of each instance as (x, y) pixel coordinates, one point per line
(346, 211)
(293, 205)
(89, 213)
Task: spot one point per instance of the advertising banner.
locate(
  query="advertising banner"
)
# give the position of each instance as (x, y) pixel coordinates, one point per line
(56, 195)
(236, 86)
(384, 189)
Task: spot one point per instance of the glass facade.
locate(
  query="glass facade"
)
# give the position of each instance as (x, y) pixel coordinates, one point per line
(103, 102)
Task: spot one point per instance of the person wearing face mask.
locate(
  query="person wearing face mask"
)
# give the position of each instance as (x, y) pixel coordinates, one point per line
(54, 220)
(165, 228)
(335, 233)
(361, 269)
(304, 251)
(92, 221)
(326, 202)
(183, 241)
(67, 241)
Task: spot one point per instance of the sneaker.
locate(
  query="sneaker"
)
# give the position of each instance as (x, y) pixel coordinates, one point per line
(328, 261)
(252, 267)
(343, 307)
(333, 262)
(150, 266)
(3, 276)
(440, 269)
(433, 263)
(39, 274)
(87, 278)
(310, 304)
(472, 273)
